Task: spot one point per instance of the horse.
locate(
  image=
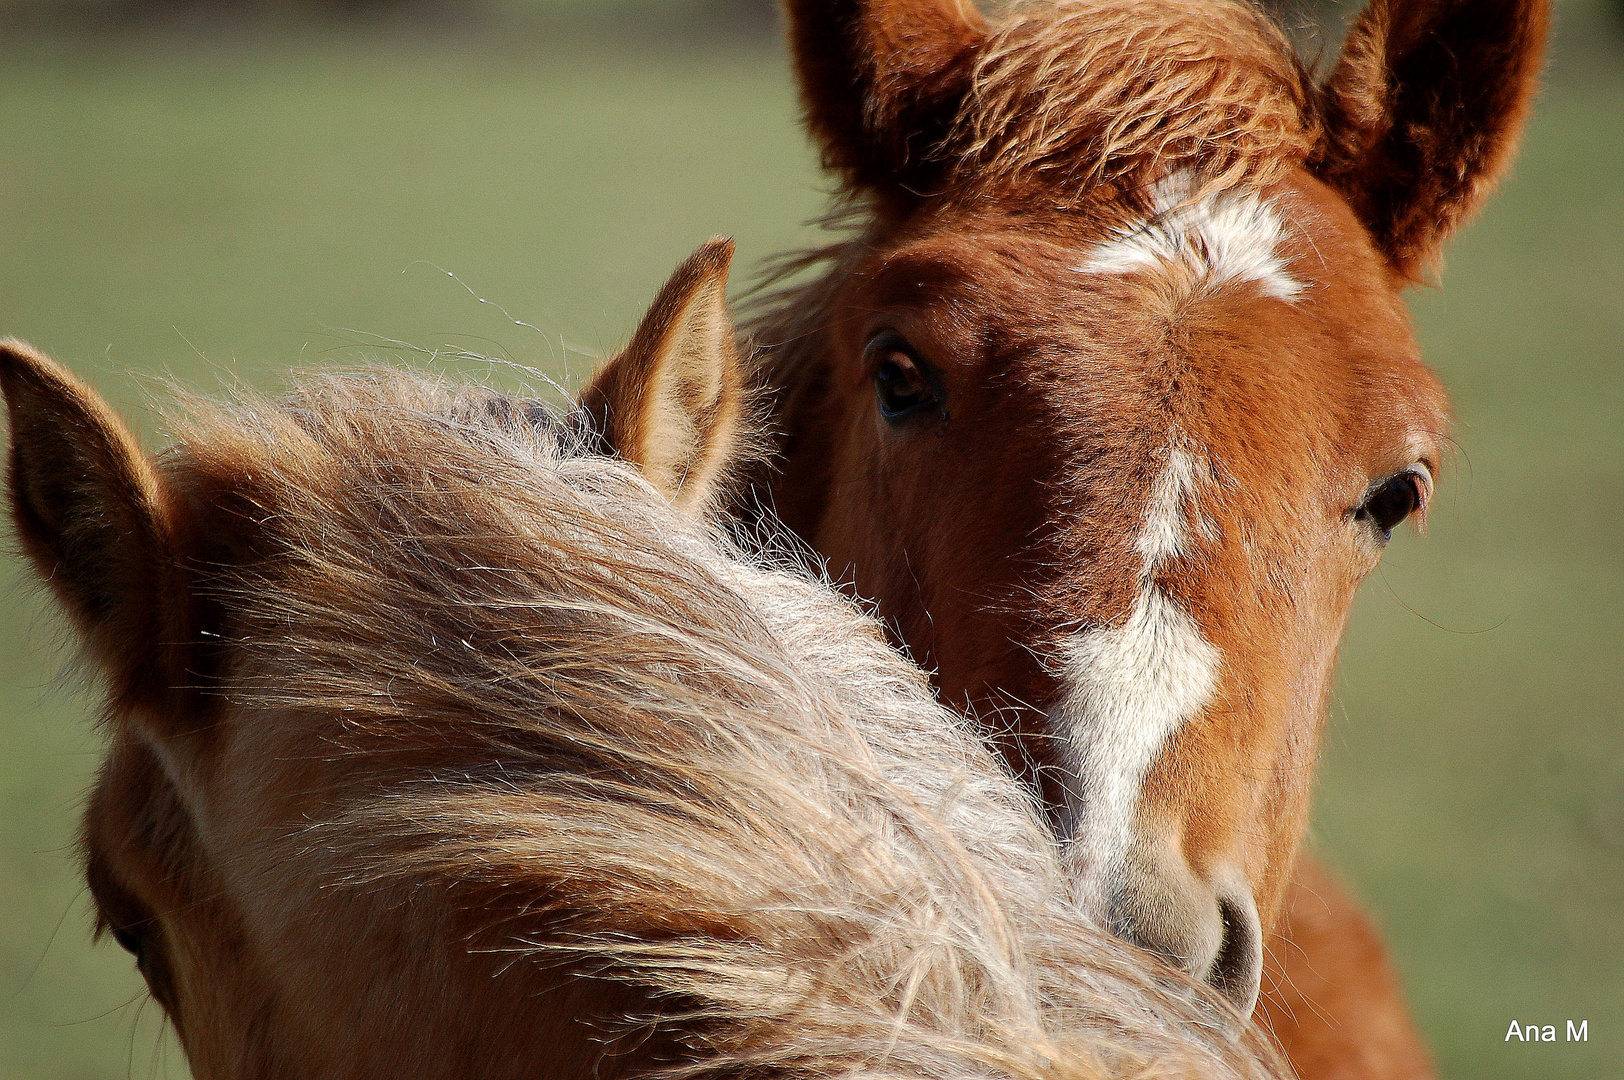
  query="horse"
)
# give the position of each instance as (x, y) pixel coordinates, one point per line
(1108, 397)
(450, 737)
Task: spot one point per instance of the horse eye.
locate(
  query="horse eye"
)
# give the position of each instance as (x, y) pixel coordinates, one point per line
(901, 385)
(1391, 501)
(131, 942)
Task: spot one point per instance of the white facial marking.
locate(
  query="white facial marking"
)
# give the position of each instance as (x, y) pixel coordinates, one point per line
(1226, 236)
(1127, 688)
(1163, 534)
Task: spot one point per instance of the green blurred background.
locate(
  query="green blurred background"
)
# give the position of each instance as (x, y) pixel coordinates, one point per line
(218, 197)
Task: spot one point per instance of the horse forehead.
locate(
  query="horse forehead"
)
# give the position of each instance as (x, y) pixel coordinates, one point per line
(1259, 325)
(1259, 319)
(1199, 242)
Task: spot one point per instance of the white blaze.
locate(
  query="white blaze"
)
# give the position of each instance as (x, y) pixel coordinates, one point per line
(1231, 235)
(1127, 688)
(1163, 535)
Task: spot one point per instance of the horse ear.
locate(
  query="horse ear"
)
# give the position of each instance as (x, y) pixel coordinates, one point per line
(881, 82)
(672, 401)
(1423, 111)
(90, 512)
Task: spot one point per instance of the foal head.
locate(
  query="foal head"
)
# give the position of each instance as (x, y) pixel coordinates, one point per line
(320, 610)
(1114, 399)
(449, 744)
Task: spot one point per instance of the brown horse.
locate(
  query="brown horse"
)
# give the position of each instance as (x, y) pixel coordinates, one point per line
(447, 745)
(1110, 400)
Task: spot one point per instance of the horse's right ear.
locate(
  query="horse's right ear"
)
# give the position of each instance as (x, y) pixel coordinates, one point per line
(672, 401)
(881, 82)
(89, 509)
(1422, 115)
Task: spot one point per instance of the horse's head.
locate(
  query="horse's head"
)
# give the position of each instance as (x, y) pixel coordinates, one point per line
(1114, 400)
(309, 611)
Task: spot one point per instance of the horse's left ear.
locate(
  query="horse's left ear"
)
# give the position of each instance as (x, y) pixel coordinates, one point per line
(881, 82)
(91, 513)
(672, 401)
(1422, 114)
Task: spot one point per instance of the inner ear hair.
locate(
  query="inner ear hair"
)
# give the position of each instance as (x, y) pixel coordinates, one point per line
(1422, 115)
(672, 401)
(881, 83)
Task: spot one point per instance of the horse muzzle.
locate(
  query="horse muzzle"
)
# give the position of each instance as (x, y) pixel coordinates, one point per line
(1206, 925)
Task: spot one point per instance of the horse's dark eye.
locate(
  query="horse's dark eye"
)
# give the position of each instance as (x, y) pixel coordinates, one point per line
(902, 384)
(130, 941)
(1392, 500)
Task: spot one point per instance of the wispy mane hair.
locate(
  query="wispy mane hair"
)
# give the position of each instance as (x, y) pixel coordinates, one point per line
(598, 738)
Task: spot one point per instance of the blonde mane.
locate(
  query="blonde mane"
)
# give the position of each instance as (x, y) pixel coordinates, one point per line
(583, 732)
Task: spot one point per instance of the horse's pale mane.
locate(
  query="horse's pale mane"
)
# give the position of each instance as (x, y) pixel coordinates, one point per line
(1089, 96)
(605, 741)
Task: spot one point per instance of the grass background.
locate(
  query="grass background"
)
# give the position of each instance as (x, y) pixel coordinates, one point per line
(221, 209)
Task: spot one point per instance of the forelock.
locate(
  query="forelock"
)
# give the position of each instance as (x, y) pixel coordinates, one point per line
(1091, 96)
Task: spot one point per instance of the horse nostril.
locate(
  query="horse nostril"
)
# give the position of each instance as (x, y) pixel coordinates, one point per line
(1206, 924)
(1237, 970)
